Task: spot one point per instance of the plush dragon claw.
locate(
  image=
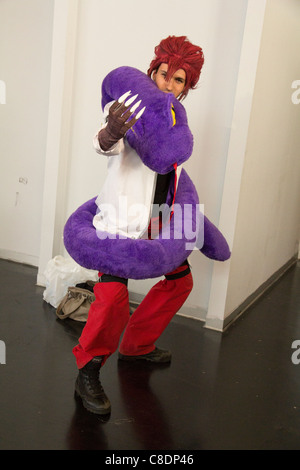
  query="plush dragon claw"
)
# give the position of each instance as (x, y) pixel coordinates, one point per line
(121, 106)
(121, 118)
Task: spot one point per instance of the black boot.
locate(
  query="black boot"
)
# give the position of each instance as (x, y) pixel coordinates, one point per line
(157, 356)
(89, 388)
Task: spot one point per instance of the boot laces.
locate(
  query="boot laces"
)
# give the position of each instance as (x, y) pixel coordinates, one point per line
(93, 383)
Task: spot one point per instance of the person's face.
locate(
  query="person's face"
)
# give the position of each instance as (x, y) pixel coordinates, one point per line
(176, 83)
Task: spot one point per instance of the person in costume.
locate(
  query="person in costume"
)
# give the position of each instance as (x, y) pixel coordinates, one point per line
(175, 70)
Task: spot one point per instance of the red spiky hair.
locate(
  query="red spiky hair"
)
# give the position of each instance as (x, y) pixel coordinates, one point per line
(179, 53)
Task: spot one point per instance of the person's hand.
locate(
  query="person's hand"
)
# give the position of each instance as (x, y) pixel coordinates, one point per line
(121, 118)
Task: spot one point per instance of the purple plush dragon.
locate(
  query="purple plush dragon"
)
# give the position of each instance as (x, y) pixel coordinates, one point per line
(162, 146)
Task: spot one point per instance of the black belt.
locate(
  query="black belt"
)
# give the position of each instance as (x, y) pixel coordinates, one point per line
(180, 274)
(109, 278)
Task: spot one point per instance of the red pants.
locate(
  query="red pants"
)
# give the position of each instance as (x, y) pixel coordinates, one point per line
(109, 315)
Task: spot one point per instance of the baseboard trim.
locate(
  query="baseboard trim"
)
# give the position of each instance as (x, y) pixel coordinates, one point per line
(18, 257)
(233, 316)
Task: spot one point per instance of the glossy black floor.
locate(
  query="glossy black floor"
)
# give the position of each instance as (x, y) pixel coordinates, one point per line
(239, 390)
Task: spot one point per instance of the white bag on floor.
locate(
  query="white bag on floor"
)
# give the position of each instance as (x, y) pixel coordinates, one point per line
(62, 273)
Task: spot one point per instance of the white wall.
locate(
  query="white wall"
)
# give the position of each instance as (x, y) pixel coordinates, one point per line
(268, 221)
(25, 53)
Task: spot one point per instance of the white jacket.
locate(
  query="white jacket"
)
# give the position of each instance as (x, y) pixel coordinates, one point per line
(125, 201)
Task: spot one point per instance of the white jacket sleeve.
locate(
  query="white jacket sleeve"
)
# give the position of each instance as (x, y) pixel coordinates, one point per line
(115, 150)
